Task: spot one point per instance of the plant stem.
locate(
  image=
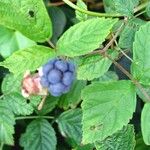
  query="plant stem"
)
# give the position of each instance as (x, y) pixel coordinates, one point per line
(104, 53)
(34, 117)
(1, 96)
(119, 49)
(51, 44)
(114, 38)
(42, 103)
(140, 7)
(124, 54)
(1, 146)
(90, 12)
(140, 13)
(130, 77)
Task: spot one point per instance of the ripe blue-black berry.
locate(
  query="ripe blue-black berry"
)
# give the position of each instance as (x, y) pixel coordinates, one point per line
(61, 65)
(71, 67)
(55, 94)
(54, 76)
(44, 82)
(67, 78)
(58, 76)
(57, 88)
(49, 66)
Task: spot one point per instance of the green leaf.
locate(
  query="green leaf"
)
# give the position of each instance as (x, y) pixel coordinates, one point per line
(18, 104)
(72, 99)
(11, 40)
(106, 107)
(7, 122)
(145, 123)
(28, 59)
(11, 88)
(69, 124)
(39, 135)
(127, 35)
(109, 76)
(124, 7)
(11, 84)
(121, 140)
(27, 16)
(79, 15)
(109, 6)
(84, 37)
(49, 105)
(94, 66)
(141, 55)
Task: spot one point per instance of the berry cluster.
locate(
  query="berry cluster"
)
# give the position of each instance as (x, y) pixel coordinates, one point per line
(57, 76)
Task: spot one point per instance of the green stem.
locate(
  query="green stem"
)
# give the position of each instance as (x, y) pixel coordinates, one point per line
(140, 13)
(90, 12)
(1, 146)
(1, 96)
(51, 44)
(34, 117)
(72, 5)
(140, 7)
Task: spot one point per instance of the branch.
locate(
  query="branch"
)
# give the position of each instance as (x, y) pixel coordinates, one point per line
(140, 7)
(111, 41)
(104, 53)
(62, 3)
(34, 117)
(130, 77)
(1, 146)
(51, 44)
(114, 38)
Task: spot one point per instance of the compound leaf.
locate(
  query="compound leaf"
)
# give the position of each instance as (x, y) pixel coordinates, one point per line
(79, 15)
(11, 84)
(11, 41)
(94, 66)
(69, 124)
(11, 88)
(124, 7)
(127, 35)
(84, 37)
(121, 140)
(106, 107)
(145, 123)
(28, 59)
(141, 55)
(39, 135)
(27, 16)
(7, 122)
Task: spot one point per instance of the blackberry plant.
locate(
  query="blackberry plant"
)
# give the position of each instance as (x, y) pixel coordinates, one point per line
(75, 74)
